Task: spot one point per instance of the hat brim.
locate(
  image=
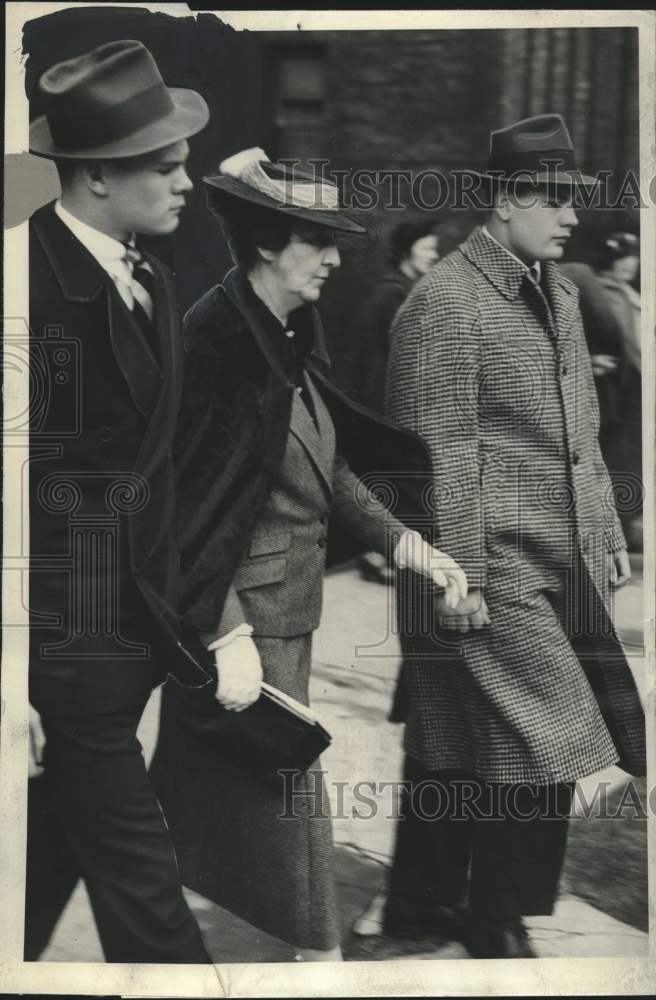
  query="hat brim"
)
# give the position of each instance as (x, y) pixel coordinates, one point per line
(233, 191)
(190, 114)
(562, 178)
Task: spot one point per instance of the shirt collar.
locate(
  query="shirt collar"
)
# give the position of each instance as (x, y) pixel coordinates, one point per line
(103, 247)
(535, 270)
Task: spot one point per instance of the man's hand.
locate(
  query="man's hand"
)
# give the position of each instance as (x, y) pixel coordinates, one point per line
(37, 741)
(469, 613)
(240, 673)
(619, 568)
(412, 552)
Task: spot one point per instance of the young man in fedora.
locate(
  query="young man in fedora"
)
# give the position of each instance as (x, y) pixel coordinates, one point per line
(525, 688)
(106, 368)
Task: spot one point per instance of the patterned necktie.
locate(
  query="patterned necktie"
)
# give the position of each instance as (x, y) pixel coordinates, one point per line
(143, 308)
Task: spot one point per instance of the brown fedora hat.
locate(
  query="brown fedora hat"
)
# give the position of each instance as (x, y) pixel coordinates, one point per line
(249, 176)
(536, 150)
(112, 103)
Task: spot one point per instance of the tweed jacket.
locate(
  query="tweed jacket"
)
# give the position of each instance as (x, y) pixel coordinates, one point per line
(100, 460)
(278, 585)
(493, 372)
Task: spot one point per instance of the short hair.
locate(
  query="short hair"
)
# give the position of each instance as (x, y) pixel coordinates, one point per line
(66, 169)
(248, 227)
(405, 234)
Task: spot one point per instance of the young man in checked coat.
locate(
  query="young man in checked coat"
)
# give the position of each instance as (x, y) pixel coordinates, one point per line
(525, 688)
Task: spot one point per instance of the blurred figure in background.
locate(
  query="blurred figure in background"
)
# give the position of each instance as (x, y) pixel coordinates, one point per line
(412, 251)
(618, 269)
(603, 336)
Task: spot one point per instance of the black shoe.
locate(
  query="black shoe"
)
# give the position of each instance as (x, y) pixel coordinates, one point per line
(406, 919)
(496, 938)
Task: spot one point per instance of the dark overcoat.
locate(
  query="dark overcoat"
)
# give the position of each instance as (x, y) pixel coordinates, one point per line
(103, 559)
(492, 370)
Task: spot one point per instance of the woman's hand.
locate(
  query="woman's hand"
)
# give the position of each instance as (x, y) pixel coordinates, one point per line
(240, 673)
(412, 552)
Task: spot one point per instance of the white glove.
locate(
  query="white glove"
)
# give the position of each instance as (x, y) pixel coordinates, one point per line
(412, 552)
(240, 673)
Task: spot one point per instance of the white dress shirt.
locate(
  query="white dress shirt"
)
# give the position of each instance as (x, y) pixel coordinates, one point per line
(109, 253)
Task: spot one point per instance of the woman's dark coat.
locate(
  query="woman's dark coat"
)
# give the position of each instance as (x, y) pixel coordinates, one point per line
(233, 428)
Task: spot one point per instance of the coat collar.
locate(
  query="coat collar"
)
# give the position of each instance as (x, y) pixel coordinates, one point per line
(78, 273)
(82, 280)
(233, 285)
(508, 275)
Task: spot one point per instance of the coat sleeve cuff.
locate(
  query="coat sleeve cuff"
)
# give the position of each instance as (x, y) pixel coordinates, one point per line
(232, 617)
(614, 537)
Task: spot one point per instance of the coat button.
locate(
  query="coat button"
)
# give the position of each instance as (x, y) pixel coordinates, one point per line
(321, 542)
(575, 458)
(564, 370)
(105, 435)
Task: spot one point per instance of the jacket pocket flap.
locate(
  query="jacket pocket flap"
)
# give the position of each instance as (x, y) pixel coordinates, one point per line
(265, 544)
(258, 574)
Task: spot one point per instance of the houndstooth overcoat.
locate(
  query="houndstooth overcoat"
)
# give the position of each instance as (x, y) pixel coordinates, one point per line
(495, 376)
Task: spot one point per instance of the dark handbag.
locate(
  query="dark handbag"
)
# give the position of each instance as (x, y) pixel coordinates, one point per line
(267, 735)
(273, 734)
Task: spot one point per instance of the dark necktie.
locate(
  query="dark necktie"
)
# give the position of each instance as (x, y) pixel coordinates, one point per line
(143, 308)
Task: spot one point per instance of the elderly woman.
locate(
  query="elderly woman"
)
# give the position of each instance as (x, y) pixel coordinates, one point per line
(268, 450)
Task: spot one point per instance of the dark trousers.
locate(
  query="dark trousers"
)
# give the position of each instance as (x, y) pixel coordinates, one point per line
(509, 839)
(93, 814)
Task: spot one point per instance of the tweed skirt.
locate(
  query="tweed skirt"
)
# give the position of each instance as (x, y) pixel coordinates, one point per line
(267, 851)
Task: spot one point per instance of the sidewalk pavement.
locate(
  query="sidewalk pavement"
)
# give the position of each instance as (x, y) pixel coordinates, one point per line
(356, 659)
